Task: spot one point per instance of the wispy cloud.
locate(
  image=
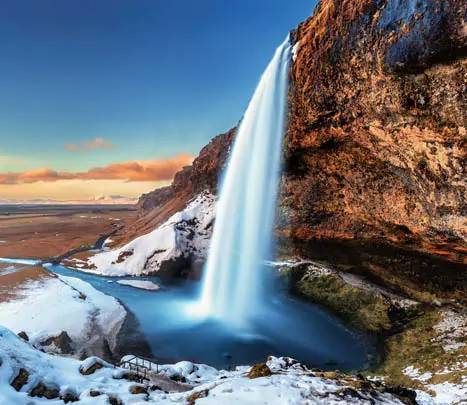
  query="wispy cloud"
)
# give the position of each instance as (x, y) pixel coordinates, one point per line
(97, 143)
(144, 170)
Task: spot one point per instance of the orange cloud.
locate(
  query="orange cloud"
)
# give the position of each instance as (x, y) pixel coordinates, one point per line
(145, 170)
(97, 143)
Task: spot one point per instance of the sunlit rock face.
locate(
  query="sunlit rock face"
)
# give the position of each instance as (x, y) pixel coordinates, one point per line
(376, 147)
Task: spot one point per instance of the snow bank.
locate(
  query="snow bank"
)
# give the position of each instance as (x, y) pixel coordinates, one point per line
(288, 385)
(141, 284)
(108, 313)
(44, 308)
(185, 235)
(191, 372)
(55, 372)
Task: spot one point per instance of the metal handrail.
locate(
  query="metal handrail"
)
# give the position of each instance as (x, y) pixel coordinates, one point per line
(138, 364)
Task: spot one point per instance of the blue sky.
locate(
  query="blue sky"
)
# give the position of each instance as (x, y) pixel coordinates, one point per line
(153, 78)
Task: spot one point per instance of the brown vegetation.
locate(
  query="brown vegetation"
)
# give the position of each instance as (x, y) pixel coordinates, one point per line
(41, 236)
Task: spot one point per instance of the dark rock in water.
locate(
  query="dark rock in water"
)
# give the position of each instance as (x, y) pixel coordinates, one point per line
(259, 370)
(21, 379)
(131, 339)
(23, 335)
(63, 342)
(94, 393)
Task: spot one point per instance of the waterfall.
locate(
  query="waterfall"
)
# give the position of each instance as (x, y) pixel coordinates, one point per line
(233, 285)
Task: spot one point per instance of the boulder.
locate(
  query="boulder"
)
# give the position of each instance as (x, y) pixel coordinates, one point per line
(62, 342)
(259, 370)
(23, 335)
(130, 376)
(91, 365)
(42, 391)
(191, 400)
(69, 397)
(138, 389)
(115, 401)
(405, 395)
(21, 379)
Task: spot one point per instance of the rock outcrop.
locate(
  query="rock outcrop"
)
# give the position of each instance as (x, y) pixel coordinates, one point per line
(376, 149)
(203, 175)
(176, 248)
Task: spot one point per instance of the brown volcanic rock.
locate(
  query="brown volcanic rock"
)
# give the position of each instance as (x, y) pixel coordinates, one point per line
(156, 207)
(376, 144)
(202, 175)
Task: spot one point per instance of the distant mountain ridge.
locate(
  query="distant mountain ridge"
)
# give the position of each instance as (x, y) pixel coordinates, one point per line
(100, 200)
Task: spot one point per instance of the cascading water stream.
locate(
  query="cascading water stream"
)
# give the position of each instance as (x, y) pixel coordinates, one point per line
(232, 286)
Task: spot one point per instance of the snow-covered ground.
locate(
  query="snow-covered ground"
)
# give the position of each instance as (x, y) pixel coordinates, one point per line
(185, 235)
(447, 393)
(451, 330)
(290, 383)
(46, 307)
(141, 284)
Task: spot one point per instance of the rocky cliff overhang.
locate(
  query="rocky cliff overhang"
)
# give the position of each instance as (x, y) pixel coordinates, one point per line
(376, 148)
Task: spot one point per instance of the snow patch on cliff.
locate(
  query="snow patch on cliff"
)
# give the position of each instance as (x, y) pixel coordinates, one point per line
(295, 50)
(185, 235)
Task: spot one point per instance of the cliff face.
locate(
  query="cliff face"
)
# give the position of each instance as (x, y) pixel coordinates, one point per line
(375, 154)
(376, 148)
(203, 175)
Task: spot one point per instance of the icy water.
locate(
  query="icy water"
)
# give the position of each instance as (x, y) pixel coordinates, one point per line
(289, 327)
(234, 289)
